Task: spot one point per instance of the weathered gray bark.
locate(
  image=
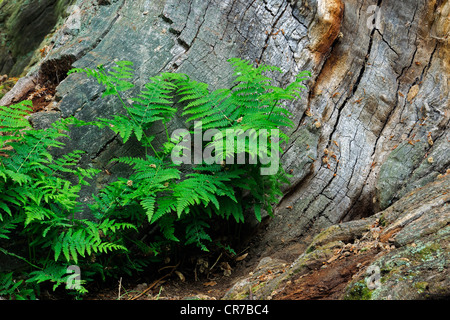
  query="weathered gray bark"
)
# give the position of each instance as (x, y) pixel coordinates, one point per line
(399, 253)
(372, 126)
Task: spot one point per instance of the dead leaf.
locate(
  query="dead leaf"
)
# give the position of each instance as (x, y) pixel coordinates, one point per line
(413, 92)
(332, 259)
(210, 284)
(202, 265)
(180, 275)
(242, 257)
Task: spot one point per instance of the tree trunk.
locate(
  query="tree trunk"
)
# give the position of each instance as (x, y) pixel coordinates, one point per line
(372, 126)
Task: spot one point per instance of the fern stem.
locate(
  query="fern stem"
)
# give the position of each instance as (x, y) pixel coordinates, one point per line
(167, 132)
(116, 92)
(136, 122)
(273, 107)
(28, 155)
(19, 257)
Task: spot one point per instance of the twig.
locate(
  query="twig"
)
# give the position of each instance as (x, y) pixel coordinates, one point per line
(215, 263)
(156, 282)
(150, 287)
(120, 286)
(166, 267)
(243, 251)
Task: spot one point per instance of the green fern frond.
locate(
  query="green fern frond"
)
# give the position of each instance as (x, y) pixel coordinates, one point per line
(114, 81)
(166, 204)
(9, 287)
(149, 206)
(74, 242)
(196, 233)
(8, 224)
(12, 118)
(167, 226)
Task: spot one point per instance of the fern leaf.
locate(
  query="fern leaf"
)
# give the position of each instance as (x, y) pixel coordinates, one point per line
(196, 233)
(149, 205)
(166, 204)
(167, 227)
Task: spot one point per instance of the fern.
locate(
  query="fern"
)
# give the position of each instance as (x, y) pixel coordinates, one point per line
(7, 225)
(196, 233)
(37, 201)
(154, 103)
(115, 81)
(39, 193)
(12, 119)
(158, 189)
(87, 240)
(167, 226)
(15, 289)
(53, 272)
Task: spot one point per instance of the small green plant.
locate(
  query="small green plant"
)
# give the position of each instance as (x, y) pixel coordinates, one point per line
(170, 205)
(358, 291)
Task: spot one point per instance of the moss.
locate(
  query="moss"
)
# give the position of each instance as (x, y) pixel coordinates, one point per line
(326, 235)
(383, 221)
(426, 253)
(243, 294)
(239, 296)
(409, 275)
(386, 273)
(359, 291)
(257, 287)
(421, 286)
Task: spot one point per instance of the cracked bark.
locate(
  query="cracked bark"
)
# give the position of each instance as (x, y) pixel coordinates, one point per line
(358, 91)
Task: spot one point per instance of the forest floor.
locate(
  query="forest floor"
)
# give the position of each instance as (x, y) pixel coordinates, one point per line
(326, 283)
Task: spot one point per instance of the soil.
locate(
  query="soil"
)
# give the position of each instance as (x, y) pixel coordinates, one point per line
(181, 283)
(169, 289)
(324, 283)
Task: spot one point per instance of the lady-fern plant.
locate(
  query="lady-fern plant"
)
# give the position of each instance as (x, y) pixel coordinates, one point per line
(180, 204)
(38, 201)
(39, 193)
